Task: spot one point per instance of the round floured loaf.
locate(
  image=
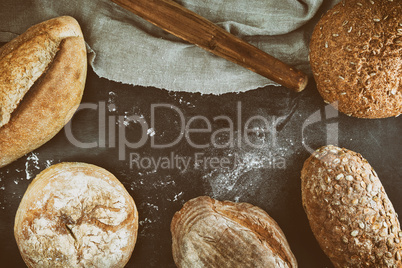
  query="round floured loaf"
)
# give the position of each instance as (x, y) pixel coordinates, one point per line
(76, 215)
(356, 57)
(349, 212)
(211, 233)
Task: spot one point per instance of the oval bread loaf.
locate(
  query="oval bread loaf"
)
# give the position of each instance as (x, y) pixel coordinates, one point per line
(356, 57)
(42, 78)
(76, 215)
(349, 212)
(210, 233)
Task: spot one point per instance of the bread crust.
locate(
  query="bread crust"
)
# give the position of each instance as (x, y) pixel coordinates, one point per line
(54, 97)
(24, 59)
(76, 215)
(356, 57)
(210, 233)
(349, 212)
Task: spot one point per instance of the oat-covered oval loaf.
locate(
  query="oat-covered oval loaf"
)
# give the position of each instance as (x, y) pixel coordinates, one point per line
(349, 212)
(76, 215)
(356, 57)
(211, 233)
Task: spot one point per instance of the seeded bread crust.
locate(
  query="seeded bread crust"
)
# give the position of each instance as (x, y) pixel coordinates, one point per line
(54, 97)
(349, 212)
(211, 233)
(76, 215)
(356, 57)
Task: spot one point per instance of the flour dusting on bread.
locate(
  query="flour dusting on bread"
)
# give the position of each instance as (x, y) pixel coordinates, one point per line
(76, 216)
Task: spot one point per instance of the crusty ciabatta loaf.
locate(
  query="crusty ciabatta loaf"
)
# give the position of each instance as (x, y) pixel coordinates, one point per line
(356, 57)
(349, 212)
(50, 60)
(76, 215)
(211, 233)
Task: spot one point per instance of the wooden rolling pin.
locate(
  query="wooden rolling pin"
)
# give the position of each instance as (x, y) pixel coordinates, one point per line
(195, 29)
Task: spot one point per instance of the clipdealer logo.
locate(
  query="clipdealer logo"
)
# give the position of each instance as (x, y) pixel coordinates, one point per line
(237, 132)
(327, 114)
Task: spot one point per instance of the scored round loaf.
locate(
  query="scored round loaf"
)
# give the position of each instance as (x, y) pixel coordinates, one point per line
(211, 233)
(356, 57)
(349, 212)
(76, 215)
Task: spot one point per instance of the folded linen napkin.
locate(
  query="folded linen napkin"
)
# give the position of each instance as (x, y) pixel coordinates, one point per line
(125, 48)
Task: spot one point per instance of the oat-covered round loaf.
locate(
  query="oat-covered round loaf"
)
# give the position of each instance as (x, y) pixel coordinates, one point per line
(349, 212)
(356, 57)
(76, 215)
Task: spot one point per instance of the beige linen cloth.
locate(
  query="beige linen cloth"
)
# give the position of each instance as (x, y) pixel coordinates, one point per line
(125, 48)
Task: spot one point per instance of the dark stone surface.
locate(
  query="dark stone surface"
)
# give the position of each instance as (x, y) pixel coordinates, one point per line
(285, 124)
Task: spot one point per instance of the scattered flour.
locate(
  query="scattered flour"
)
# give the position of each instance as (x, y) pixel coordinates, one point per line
(111, 102)
(176, 197)
(151, 132)
(10, 177)
(249, 169)
(32, 161)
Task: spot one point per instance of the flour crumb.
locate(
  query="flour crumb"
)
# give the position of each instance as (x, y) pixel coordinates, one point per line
(151, 132)
(111, 102)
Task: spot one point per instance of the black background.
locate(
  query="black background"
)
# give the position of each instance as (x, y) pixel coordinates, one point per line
(160, 193)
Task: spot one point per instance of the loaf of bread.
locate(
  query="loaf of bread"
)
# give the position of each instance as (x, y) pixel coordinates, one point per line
(349, 212)
(42, 78)
(210, 233)
(356, 57)
(76, 215)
